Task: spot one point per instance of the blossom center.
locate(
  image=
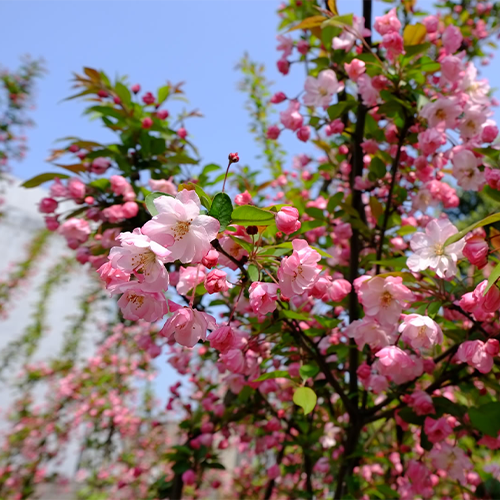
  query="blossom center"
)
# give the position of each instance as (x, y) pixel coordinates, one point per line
(142, 261)
(323, 92)
(439, 249)
(386, 299)
(441, 114)
(181, 229)
(137, 300)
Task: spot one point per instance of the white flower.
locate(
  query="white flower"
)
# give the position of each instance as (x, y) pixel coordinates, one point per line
(179, 218)
(430, 251)
(319, 91)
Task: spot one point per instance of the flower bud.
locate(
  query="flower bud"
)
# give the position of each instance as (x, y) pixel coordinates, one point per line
(287, 220)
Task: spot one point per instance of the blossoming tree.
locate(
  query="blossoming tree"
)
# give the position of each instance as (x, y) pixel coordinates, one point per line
(338, 321)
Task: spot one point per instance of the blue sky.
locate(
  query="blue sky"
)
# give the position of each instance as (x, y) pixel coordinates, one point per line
(199, 42)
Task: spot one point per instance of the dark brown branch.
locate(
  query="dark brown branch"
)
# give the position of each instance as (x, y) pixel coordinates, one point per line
(387, 213)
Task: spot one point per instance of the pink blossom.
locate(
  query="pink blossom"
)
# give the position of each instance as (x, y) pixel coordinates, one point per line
(466, 172)
(283, 66)
(263, 297)
(368, 92)
(147, 122)
(451, 68)
(76, 189)
(304, 133)
(384, 298)
(278, 97)
(51, 223)
(179, 218)
(211, 258)
(130, 209)
(188, 326)
(234, 360)
(429, 250)
(420, 331)
(431, 140)
(421, 402)
(452, 38)
(490, 133)
(420, 477)
(136, 303)
(216, 281)
(121, 187)
(299, 272)
(189, 477)
(478, 354)
(163, 186)
(287, 220)
(319, 91)
(144, 258)
(273, 472)
(442, 113)
(451, 459)
(100, 165)
(492, 176)
(431, 23)
(58, 189)
(393, 43)
(476, 251)
(244, 198)
(189, 278)
(368, 331)
(223, 338)
(388, 23)
(112, 276)
(273, 132)
(339, 290)
(76, 231)
(285, 44)
(437, 430)
(355, 69)
(291, 117)
(395, 363)
(113, 214)
(471, 124)
(48, 205)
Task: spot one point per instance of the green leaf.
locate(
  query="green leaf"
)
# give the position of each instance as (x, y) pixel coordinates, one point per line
(181, 158)
(40, 179)
(337, 110)
(413, 50)
(491, 193)
(484, 222)
(295, 315)
(308, 371)
(248, 215)
(378, 168)
(101, 184)
(492, 278)
(433, 309)
(150, 198)
(486, 418)
(123, 93)
(253, 273)
(106, 111)
(334, 202)
(408, 415)
(387, 491)
(163, 93)
(339, 21)
(221, 209)
(305, 398)
(272, 375)
(242, 243)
